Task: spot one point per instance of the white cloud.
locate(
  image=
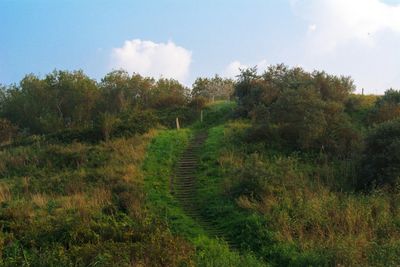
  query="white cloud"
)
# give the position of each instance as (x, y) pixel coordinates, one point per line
(359, 38)
(233, 69)
(343, 21)
(153, 59)
(312, 28)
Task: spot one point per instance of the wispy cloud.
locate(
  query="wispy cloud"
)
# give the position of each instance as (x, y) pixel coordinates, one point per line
(342, 21)
(352, 37)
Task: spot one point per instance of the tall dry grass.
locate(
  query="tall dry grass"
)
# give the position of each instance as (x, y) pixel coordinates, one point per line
(5, 194)
(303, 209)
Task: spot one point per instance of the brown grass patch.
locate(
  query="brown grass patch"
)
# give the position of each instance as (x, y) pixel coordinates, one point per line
(40, 200)
(5, 193)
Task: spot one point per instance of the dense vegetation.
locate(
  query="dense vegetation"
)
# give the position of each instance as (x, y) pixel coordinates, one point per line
(297, 171)
(306, 174)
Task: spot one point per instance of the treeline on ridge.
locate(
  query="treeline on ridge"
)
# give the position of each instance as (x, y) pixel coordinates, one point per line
(71, 105)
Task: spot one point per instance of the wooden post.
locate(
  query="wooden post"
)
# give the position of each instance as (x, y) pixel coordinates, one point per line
(177, 123)
(201, 116)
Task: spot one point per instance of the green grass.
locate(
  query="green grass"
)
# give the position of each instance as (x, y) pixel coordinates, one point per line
(162, 156)
(289, 209)
(81, 205)
(84, 204)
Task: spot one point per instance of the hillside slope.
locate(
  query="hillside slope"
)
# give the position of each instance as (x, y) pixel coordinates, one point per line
(207, 195)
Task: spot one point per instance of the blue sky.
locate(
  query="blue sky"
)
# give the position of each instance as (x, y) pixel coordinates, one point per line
(186, 39)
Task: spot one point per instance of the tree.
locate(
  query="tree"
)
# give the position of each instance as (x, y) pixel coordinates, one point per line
(215, 88)
(120, 91)
(74, 95)
(2, 95)
(61, 100)
(333, 88)
(27, 104)
(169, 93)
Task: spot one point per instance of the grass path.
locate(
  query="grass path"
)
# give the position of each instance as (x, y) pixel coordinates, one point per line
(169, 150)
(184, 186)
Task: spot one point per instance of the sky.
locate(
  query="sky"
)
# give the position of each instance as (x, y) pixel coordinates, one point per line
(184, 39)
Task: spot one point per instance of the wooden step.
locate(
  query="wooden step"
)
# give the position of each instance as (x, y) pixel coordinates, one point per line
(184, 187)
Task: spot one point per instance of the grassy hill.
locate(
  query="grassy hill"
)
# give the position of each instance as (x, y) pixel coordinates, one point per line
(102, 204)
(297, 171)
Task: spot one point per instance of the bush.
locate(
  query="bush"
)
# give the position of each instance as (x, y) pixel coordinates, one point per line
(7, 131)
(108, 126)
(134, 122)
(85, 134)
(386, 108)
(213, 252)
(186, 116)
(198, 103)
(301, 110)
(381, 157)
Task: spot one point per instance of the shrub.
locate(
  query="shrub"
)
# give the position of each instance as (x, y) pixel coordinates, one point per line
(168, 93)
(134, 122)
(7, 131)
(386, 108)
(301, 110)
(86, 134)
(186, 116)
(381, 157)
(198, 103)
(213, 252)
(106, 124)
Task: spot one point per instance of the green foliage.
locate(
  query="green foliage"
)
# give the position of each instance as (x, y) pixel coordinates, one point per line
(292, 209)
(169, 93)
(359, 108)
(391, 95)
(300, 117)
(106, 124)
(381, 162)
(198, 102)
(386, 107)
(132, 123)
(121, 91)
(213, 253)
(82, 205)
(217, 112)
(93, 187)
(63, 102)
(7, 131)
(215, 88)
(167, 117)
(162, 155)
(62, 99)
(304, 111)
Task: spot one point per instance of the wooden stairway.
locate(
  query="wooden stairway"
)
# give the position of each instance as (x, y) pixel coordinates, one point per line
(183, 187)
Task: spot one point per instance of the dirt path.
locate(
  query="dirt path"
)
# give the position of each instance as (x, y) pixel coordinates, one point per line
(183, 186)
